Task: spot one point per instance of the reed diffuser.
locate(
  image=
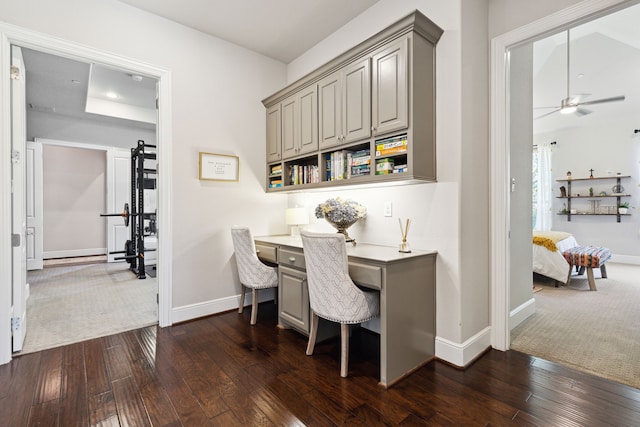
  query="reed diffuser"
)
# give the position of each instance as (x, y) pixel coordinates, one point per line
(404, 246)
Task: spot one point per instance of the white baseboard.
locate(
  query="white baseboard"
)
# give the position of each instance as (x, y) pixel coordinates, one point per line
(74, 253)
(521, 313)
(207, 308)
(462, 354)
(625, 259)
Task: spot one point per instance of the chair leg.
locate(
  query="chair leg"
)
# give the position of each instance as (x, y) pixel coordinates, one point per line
(591, 279)
(254, 306)
(344, 356)
(242, 292)
(569, 275)
(603, 271)
(313, 333)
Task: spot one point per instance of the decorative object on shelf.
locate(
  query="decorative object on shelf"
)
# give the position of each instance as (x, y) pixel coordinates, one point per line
(295, 217)
(341, 214)
(617, 189)
(569, 175)
(564, 209)
(603, 193)
(590, 191)
(404, 246)
(622, 208)
(563, 191)
(590, 173)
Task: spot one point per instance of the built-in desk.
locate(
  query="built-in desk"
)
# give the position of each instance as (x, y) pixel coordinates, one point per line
(407, 297)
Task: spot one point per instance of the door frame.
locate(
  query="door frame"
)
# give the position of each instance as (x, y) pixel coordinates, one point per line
(14, 35)
(500, 249)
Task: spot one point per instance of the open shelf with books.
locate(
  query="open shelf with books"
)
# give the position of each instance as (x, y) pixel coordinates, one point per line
(302, 171)
(347, 163)
(275, 175)
(391, 154)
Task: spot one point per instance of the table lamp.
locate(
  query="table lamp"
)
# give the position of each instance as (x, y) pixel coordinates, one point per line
(295, 217)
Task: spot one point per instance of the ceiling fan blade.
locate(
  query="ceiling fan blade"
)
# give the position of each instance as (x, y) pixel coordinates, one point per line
(603, 100)
(582, 112)
(547, 114)
(545, 108)
(575, 99)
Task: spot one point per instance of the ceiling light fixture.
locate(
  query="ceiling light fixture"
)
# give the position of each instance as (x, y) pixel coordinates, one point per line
(112, 95)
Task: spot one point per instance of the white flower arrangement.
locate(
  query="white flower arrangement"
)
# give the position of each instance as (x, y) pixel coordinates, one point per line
(338, 210)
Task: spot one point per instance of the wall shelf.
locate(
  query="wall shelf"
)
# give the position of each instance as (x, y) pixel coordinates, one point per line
(593, 198)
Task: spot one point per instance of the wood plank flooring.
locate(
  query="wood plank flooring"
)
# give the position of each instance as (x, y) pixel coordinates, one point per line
(220, 371)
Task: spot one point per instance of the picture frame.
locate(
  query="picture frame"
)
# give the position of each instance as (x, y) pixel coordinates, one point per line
(218, 167)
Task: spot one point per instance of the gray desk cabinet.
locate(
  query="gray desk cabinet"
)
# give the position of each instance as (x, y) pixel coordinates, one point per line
(406, 283)
(380, 93)
(345, 105)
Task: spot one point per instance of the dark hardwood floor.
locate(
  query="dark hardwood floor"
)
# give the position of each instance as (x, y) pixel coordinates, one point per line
(221, 371)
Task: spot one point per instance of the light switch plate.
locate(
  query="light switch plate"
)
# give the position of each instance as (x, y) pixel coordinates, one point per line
(388, 208)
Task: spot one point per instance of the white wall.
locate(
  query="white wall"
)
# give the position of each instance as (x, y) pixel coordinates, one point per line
(216, 92)
(507, 15)
(608, 149)
(452, 213)
(73, 199)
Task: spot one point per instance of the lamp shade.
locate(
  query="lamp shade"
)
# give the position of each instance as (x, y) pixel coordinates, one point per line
(296, 216)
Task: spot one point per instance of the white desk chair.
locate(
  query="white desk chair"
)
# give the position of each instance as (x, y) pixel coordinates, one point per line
(253, 273)
(332, 294)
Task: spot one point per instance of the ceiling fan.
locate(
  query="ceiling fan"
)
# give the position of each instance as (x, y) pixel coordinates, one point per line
(574, 104)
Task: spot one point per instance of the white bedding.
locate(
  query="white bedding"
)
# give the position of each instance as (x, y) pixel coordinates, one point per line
(552, 264)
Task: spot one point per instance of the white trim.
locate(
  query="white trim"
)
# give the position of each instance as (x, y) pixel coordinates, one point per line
(11, 34)
(71, 253)
(521, 313)
(207, 308)
(499, 267)
(462, 354)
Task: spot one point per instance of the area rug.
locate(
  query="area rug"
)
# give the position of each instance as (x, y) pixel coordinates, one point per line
(68, 304)
(593, 331)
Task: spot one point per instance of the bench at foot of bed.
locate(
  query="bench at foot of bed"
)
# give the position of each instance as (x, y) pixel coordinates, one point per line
(589, 257)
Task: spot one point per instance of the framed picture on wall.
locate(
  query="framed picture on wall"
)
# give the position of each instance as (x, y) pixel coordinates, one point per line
(218, 167)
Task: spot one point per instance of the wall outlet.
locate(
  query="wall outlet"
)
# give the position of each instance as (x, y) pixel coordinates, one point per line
(388, 208)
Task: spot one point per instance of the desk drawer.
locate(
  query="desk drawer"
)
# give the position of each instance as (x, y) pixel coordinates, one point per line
(292, 258)
(369, 276)
(267, 253)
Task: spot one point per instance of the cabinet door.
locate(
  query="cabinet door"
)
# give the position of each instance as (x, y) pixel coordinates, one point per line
(293, 299)
(357, 101)
(390, 97)
(274, 134)
(329, 111)
(290, 133)
(308, 114)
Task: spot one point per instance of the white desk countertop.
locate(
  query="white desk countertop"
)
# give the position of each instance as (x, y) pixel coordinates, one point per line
(361, 250)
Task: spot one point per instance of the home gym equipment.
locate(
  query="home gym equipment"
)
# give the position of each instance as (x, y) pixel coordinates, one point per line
(134, 214)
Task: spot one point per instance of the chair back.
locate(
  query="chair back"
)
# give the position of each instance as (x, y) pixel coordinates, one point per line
(252, 272)
(332, 293)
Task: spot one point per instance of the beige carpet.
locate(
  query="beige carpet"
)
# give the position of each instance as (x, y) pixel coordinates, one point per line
(68, 304)
(596, 332)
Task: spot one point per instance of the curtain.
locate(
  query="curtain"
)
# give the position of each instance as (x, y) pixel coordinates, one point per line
(544, 213)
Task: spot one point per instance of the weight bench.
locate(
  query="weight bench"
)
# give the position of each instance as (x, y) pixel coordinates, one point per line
(589, 257)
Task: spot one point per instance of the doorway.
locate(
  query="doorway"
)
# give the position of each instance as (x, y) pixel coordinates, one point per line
(20, 37)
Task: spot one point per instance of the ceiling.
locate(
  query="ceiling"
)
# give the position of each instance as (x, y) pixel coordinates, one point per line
(604, 62)
(279, 29)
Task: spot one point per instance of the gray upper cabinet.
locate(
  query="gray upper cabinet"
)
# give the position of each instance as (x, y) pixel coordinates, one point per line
(345, 105)
(300, 123)
(390, 88)
(365, 117)
(274, 134)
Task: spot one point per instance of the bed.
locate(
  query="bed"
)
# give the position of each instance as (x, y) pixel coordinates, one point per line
(548, 247)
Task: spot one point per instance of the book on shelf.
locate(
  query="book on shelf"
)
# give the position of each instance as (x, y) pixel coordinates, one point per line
(276, 169)
(393, 145)
(344, 164)
(399, 168)
(303, 174)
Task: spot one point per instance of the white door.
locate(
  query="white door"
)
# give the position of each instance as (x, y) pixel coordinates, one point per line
(19, 223)
(34, 209)
(118, 193)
